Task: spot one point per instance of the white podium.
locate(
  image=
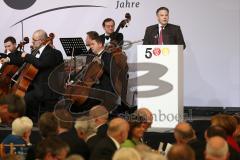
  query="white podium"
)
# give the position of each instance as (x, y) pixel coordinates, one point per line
(160, 84)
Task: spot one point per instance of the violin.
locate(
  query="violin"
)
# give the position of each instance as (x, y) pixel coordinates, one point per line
(28, 71)
(7, 71)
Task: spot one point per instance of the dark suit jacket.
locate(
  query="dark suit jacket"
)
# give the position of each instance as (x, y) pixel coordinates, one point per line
(104, 149)
(172, 34)
(15, 58)
(48, 60)
(198, 148)
(115, 37)
(105, 80)
(77, 145)
(101, 133)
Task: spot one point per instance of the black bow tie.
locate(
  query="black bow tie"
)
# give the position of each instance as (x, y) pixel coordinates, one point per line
(107, 37)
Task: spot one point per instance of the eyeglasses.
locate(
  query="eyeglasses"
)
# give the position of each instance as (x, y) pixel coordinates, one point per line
(34, 40)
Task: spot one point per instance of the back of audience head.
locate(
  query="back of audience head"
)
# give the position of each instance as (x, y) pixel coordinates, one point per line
(12, 106)
(227, 122)
(75, 157)
(84, 127)
(216, 149)
(180, 152)
(118, 129)
(99, 114)
(52, 148)
(48, 124)
(126, 154)
(152, 156)
(65, 119)
(213, 131)
(22, 127)
(184, 132)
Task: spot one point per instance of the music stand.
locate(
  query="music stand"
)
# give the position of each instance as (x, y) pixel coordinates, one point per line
(73, 43)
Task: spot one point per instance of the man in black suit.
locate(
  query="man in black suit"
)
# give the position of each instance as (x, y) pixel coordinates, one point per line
(116, 134)
(39, 94)
(109, 35)
(185, 134)
(99, 115)
(104, 83)
(68, 134)
(11, 52)
(163, 32)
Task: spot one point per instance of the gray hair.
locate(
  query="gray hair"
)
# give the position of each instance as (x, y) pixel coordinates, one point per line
(126, 154)
(21, 125)
(75, 157)
(85, 125)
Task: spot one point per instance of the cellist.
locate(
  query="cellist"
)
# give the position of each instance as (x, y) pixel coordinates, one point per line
(11, 52)
(38, 93)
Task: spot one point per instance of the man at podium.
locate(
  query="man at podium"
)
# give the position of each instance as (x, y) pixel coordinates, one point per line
(163, 32)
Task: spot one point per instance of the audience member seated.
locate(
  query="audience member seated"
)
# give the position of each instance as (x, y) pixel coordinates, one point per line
(213, 131)
(52, 148)
(136, 131)
(99, 115)
(147, 114)
(216, 149)
(184, 134)
(181, 152)
(75, 157)
(21, 131)
(11, 107)
(126, 154)
(85, 128)
(147, 153)
(229, 124)
(48, 127)
(237, 132)
(117, 133)
(68, 133)
(152, 156)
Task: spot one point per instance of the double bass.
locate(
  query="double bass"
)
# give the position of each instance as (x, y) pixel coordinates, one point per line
(28, 71)
(119, 76)
(8, 70)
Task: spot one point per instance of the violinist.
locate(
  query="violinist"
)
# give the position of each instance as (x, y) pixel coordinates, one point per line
(12, 55)
(109, 35)
(47, 58)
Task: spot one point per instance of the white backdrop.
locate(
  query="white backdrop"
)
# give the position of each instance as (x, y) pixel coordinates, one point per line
(210, 29)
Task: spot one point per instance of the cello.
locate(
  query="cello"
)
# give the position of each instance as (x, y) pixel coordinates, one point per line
(28, 71)
(8, 70)
(84, 81)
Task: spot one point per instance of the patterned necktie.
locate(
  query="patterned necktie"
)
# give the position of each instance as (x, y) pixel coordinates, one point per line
(160, 39)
